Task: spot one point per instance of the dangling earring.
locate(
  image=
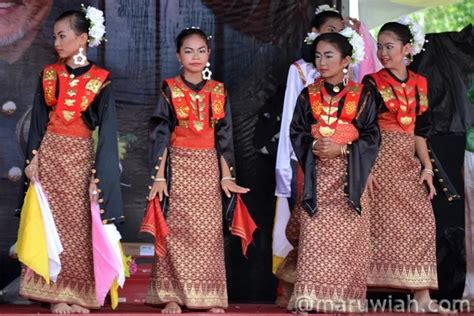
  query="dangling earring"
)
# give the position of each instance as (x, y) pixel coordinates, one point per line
(407, 60)
(207, 73)
(181, 68)
(345, 78)
(80, 59)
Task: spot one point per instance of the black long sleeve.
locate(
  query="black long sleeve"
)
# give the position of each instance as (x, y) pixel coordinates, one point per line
(302, 140)
(38, 125)
(103, 114)
(363, 152)
(161, 125)
(225, 139)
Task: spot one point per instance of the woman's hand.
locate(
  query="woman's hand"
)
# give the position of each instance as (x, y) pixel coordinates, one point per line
(427, 177)
(159, 188)
(352, 23)
(372, 184)
(93, 193)
(32, 170)
(324, 148)
(229, 186)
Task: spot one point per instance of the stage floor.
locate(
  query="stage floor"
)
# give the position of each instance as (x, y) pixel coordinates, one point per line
(130, 309)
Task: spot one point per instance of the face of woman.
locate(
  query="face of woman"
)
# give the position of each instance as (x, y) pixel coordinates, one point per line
(66, 42)
(329, 61)
(391, 51)
(331, 25)
(193, 54)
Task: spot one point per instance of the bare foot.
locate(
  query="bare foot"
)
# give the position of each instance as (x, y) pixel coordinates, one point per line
(422, 303)
(61, 308)
(430, 307)
(284, 298)
(216, 310)
(171, 308)
(78, 309)
(282, 301)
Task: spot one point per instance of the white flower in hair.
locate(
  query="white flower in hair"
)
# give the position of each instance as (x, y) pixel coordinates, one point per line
(95, 15)
(97, 27)
(357, 42)
(417, 33)
(325, 7)
(310, 38)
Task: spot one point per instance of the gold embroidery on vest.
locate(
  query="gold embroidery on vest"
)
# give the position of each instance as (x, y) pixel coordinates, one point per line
(71, 92)
(387, 94)
(94, 85)
(84, 103)
(69, 102)
(68, 115)
(49, 94)
(350, 107)
(73, 82)
(49, 74)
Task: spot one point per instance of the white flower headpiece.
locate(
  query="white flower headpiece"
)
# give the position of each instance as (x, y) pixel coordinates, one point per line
(209, 37)
(325, 7)
(97, 27)
(311, 38)
(357, 42)
(418, 36)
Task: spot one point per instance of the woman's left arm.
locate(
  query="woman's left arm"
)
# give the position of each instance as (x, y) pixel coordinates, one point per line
(421, 149)
(105, 186)
(422, 131)
(427, 173)
(225, 150)
(363, 152)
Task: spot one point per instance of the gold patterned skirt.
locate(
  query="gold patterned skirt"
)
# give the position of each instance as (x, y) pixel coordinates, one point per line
(286, 271)
(333, 251)
(65, 165)
(402, 220)
(193, 271)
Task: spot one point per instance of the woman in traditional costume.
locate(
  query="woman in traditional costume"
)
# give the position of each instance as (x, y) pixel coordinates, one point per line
(335, 138)
(403, 232)
(289, 178)
(193, 162)
(74, 98)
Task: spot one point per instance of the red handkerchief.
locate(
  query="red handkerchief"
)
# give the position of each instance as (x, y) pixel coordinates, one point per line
(243, 225)
(154, 223)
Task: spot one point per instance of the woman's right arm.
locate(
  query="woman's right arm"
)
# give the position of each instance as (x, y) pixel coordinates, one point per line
(162, 123)
(302, 141)
(38, 123)
(300, 129)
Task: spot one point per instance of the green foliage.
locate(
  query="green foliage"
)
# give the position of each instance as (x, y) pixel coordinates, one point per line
(445, 18)
(124, 142)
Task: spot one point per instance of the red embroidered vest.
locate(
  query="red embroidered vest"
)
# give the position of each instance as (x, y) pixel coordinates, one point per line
(75, 93)
(400, 98)
(196, 128)
(325, 108)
